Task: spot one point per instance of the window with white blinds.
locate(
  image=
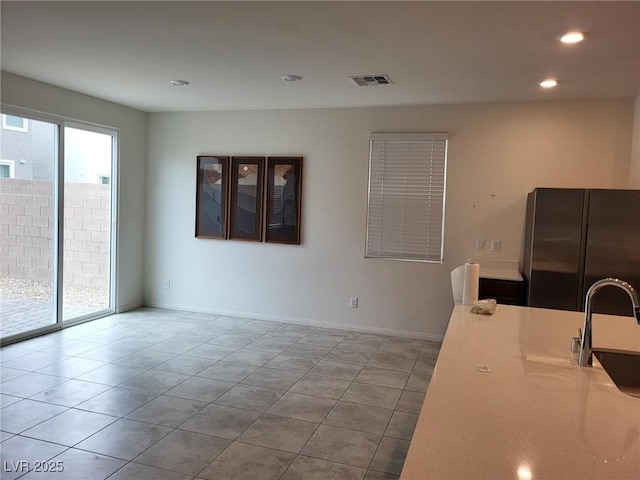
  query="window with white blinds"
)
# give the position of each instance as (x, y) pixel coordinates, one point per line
(407, 184)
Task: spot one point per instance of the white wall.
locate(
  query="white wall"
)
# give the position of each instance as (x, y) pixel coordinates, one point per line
(132, 125)
(497, 154)
(634, 171)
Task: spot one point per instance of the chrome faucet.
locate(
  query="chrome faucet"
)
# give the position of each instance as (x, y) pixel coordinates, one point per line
(586, 347)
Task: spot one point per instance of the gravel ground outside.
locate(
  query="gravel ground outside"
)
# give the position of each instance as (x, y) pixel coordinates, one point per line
(26, 289)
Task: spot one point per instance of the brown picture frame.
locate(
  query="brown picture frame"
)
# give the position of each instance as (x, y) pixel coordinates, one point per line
(245, 198)
(212, 209)
(283, 211)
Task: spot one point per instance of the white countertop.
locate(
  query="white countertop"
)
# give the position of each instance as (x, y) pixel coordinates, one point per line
(499, 269)
(500, 274)
(537, 415)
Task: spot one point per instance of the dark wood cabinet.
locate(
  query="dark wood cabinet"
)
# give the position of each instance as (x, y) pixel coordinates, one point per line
(506, 292)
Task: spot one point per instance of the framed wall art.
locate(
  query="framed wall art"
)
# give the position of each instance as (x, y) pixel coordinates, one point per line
(245, 199)
(284, 194)
(211, 197)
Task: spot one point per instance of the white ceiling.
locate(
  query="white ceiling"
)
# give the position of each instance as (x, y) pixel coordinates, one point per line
(234, 53)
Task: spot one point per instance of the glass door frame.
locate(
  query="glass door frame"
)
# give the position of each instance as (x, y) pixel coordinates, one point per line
(113, 217)
(58, 220)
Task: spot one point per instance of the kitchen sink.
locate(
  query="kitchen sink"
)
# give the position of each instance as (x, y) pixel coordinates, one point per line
(623, 368)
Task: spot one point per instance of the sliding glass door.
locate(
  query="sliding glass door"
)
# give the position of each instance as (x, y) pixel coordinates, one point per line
(56, 224)
(29, 158)
(88, 163)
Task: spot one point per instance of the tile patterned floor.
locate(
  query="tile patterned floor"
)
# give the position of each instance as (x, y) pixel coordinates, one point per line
(157, 394)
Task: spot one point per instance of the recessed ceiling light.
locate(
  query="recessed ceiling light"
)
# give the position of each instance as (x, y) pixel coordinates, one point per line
(291, 78)
(524, 473)
(179, 83)
(549, 83)
(573, 37)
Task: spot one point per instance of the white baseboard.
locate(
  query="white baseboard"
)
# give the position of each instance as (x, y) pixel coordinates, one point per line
(300, 321)
(130, 306)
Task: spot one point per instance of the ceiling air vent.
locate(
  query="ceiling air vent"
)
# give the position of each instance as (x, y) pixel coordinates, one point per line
(371, 80)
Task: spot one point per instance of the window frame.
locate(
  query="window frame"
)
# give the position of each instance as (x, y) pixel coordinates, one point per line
(6, 126)
(12, 167)
(440, 161)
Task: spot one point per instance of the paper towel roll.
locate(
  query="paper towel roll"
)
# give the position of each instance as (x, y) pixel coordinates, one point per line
(471, 283)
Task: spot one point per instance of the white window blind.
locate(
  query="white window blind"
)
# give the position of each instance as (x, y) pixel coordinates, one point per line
(407, 184)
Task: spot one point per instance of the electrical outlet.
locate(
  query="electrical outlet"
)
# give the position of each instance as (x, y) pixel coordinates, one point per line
(495, 245)
(353, 302)
(480, 244)
(167, 284)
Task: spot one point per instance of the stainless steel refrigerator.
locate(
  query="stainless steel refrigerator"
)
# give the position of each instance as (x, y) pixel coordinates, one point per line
(574, 237)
